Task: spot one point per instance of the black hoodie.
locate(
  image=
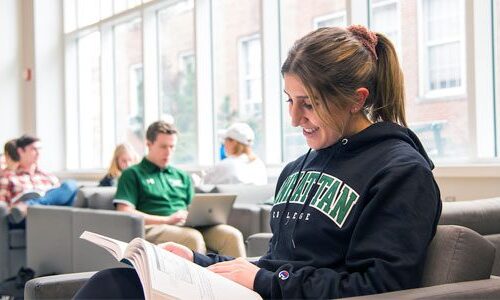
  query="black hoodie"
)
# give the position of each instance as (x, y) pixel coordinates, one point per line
(362, 228)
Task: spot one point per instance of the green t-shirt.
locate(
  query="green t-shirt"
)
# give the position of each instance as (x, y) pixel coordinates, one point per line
(153, 190)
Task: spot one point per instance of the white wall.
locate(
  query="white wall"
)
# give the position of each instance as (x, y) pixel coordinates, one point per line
(10, 70)
(49, 81)
(33, 106)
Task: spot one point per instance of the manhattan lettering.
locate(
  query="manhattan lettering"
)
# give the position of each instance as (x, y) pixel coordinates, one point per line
(333, 198)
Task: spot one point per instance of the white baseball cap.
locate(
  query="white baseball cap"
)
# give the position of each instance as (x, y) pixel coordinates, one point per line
(240, 132)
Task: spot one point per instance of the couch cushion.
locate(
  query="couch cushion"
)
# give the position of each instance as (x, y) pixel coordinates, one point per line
(481, 215)
(102, 198)
(248, 193)
(17, 238)
(495, 240)
(457, 254)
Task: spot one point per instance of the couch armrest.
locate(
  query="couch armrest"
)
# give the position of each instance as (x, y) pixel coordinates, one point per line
(477, 289)
(246, 218)
(54, 244)
(258, 244)
(55, 287)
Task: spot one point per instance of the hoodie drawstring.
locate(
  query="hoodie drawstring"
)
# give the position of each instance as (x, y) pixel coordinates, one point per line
(289, 196)
(314, 188)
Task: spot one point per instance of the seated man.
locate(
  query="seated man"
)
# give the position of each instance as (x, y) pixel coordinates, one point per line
(162, 193)
(28, 185)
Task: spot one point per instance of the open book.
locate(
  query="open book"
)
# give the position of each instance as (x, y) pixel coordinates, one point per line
(27, 195)
(165, 275)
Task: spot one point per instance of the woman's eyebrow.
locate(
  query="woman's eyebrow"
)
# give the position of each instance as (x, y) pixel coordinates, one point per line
(297, 97)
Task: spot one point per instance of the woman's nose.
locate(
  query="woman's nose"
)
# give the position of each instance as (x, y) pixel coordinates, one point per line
(296, 114)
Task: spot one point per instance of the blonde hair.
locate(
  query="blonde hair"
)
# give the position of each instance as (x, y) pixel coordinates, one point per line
(114, 168)
(240, 148)
(334, 62)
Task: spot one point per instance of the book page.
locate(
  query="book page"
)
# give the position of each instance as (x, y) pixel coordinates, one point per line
(175, 276)
(115, 247)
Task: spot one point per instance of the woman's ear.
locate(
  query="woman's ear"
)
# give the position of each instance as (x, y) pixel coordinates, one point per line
(362, 94)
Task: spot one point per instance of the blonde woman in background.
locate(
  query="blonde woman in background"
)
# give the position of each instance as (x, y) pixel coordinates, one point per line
(123, 157)
(241, 164)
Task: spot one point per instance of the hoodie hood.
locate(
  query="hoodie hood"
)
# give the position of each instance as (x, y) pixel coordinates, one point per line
(384, 131)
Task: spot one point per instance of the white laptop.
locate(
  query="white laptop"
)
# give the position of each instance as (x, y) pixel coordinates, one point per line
(209, 209)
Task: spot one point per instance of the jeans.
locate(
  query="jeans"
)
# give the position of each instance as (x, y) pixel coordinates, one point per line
(120, 283)
(63, 195)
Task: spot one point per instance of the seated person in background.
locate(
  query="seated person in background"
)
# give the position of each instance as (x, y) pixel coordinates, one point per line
(123, 157)
(41, 188)
(11, 156)
(161, 194)
(241, 164)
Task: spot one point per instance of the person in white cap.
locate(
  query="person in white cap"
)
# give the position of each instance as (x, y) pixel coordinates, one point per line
(241, 164)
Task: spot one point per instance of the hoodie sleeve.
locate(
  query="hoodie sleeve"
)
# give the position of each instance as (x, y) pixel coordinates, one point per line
(387, 248)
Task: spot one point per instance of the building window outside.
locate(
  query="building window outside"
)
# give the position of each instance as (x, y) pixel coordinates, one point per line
(444, 44)
(250, 76)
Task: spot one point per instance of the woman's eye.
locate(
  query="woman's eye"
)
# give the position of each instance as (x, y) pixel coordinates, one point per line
(308, 106)
(289, 101)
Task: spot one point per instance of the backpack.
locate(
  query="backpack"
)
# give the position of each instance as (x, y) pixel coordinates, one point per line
(13, 287)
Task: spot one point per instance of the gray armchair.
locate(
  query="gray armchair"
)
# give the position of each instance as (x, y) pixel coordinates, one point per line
(458, 263)
(53, 233)
(12, 246)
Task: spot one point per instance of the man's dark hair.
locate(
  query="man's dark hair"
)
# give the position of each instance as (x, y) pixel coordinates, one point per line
(157, 128)
(26, 140)
(10, 149)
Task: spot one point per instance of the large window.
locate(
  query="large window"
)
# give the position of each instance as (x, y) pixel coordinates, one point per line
(204, 64)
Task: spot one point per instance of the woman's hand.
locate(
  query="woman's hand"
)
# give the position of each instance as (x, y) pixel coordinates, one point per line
(238, 270)
(178, 249)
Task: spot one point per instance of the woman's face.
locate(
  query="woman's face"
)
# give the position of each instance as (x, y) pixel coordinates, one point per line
(229, 146)
(318, 134)
(124, 161)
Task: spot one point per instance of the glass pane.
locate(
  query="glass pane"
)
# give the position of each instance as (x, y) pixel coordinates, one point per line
(121, 5)
(385, 19)
(69, 15)
(88, 12)
(89, 101)
(106, 8)
(298, 18)
(129, 84)
(238, 66)
(178, 77)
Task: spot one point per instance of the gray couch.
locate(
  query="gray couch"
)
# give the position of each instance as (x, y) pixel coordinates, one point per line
(456, 255)
(482, 216)
(53, 232)
(12, 246)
